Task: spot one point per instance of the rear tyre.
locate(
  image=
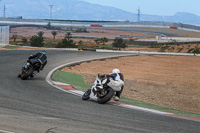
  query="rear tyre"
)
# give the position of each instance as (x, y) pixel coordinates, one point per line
(27, 73)
(107, 97)
(86, 95)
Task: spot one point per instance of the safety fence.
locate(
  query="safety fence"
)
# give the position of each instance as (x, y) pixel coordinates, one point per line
(4, 35)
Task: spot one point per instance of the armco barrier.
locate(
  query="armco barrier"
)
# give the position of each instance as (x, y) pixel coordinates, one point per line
(87, 49)
(150, 53)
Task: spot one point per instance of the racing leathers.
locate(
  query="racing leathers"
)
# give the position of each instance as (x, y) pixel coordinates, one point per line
(116, 83)
(38, 57)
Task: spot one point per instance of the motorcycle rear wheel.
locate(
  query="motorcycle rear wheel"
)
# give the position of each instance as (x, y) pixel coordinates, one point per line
(107, 97)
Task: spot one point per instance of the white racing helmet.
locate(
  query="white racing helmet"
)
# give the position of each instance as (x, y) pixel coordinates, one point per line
(115, 70)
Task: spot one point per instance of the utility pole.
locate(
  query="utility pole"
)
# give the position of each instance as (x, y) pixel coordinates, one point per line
(4, 11)
(139, 14)
(51, 6)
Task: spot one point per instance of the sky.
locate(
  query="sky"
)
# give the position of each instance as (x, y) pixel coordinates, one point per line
(153, 7)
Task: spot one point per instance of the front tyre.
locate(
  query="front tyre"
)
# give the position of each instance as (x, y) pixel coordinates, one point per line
(86, 95)
(26, 73)
(107, 97)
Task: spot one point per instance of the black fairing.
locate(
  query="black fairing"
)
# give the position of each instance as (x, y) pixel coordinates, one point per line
(35, 63)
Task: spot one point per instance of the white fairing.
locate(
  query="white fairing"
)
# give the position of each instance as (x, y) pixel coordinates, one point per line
(92, 96)
(116, 84)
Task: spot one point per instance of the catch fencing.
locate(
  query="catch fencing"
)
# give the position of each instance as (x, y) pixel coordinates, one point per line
(4, 35)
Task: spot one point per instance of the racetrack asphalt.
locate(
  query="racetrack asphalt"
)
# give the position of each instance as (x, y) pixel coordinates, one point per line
(34, 106)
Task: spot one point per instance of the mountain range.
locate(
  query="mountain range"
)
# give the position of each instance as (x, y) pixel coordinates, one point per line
(81, 10)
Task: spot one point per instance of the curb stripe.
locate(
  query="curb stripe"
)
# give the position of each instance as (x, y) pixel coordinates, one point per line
(67, 87)
(139, 108)
(3, 131)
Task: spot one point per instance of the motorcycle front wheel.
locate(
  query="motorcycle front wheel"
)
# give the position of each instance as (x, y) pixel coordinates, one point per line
(107, 97)
(86, 95)
(26, 73)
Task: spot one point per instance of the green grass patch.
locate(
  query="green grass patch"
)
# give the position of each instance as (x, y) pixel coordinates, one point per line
(75, 80)
(78, 82)
(11, 47)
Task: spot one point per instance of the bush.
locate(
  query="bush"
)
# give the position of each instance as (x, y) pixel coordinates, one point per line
(180, 49)
(195, 50)
(119, 43)
(163, 48)
(67, 42)
(37, 40)
(24, 40)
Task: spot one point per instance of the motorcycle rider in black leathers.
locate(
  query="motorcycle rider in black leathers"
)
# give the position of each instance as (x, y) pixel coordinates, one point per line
(40, 57)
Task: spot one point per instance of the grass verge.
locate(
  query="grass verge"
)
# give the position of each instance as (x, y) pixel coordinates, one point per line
(11, 47)
(77, 81)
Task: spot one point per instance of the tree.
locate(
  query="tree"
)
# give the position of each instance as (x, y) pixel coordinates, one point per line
(119, 43)
(67, 42)
(54, 33)
(40, 34)
(14, 37)
(37, 40)
(104, 40)
(68, 36)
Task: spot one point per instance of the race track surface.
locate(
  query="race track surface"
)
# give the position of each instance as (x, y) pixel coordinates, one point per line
(34, 106)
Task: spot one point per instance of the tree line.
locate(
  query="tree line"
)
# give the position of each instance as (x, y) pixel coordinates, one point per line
(68, 42)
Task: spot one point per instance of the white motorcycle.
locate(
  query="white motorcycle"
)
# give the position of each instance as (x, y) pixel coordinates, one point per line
(100, 91)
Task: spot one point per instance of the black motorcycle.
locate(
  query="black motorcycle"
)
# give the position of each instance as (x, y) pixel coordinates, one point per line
(30, 69)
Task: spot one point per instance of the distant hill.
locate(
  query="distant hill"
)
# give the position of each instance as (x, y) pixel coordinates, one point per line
(80, 10)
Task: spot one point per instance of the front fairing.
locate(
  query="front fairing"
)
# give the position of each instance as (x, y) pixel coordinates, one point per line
(26, 66)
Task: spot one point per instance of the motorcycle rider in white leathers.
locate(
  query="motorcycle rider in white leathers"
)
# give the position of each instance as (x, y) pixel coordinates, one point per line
(116, 83)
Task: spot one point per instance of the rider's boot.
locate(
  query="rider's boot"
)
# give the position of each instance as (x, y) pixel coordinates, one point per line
(116, 98)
